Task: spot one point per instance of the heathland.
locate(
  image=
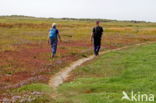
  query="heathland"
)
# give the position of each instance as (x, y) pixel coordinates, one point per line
(25, 63)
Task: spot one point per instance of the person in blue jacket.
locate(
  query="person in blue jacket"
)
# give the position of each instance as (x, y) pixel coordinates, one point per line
(53, 38)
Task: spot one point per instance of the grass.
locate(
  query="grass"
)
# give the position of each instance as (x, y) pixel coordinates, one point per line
(36, 92)
(35, 87)
(24, 51)
(103, 79)
(28, 30)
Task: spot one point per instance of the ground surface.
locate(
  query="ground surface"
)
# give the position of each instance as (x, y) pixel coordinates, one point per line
(24, 52)
(104, 79)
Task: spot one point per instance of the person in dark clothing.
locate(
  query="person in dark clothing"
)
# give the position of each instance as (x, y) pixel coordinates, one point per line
(96, 36)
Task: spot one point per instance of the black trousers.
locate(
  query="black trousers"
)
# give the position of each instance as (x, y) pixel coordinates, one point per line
(97, 45)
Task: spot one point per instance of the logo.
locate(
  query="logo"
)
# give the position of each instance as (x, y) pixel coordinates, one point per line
(138, 97)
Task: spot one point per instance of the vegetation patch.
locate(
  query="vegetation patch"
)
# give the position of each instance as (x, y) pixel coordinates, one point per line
(129, 70)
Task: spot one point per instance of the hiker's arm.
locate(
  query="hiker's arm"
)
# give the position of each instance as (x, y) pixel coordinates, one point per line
(92, 35)
(91, 38)
(102, 34)
(48, 39)
(102, 37)
(59, 37)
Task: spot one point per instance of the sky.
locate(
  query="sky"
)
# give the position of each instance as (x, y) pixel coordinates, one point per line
(104, 9)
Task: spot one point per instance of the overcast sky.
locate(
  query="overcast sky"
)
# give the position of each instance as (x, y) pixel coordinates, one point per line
(107, 9)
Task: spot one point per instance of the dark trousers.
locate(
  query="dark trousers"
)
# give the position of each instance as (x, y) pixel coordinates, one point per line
(53, 42)
(97, 46)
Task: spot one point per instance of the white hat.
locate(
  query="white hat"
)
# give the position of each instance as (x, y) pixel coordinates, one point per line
(53, 25)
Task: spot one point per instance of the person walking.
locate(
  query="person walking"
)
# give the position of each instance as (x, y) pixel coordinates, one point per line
(96, 36)
(53, 38)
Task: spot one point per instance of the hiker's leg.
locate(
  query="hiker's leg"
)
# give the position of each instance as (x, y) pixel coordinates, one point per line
(98, 47)
(95, 47)
(52, 43)
(54, 47)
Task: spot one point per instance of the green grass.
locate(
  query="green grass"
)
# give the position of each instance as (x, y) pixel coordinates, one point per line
(35, 87)
(18, 33)
(22, 30)
(44, 90)
(103, 79)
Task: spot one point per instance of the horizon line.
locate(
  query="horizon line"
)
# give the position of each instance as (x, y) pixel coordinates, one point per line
(76, 18)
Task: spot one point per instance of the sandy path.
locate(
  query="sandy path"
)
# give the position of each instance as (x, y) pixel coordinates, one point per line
(61, 76)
